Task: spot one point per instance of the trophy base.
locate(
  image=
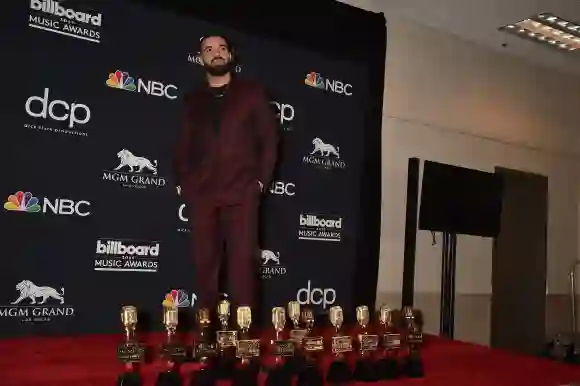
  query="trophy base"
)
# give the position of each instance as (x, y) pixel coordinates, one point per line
(246, 376)
(310, 376)
(129, 379)
(204, 377)
(168, 378)
(414, 367)
(296, 364)
(365, 371)
(338, 373)
(225, 367)
(279, 376)
(388, 368)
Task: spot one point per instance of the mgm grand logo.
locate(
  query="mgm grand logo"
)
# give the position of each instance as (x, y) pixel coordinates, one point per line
(134, 172)
(37, 304)
(271, 266)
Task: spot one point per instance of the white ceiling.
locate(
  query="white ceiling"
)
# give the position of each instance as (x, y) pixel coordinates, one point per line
(478, 21)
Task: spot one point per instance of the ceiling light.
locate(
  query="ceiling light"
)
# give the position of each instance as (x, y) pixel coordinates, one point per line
(548, 29)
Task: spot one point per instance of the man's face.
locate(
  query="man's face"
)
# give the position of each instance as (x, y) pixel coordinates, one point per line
(216, 56)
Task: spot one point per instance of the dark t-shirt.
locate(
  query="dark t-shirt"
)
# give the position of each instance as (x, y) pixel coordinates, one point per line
(216, 106)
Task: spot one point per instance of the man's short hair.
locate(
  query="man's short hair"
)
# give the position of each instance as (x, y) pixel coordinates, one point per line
(225, 38)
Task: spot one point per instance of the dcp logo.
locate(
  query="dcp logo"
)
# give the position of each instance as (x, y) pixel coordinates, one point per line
(181, 213)
(282, 188)
(74, 113)
(285, 112)
(317, 296)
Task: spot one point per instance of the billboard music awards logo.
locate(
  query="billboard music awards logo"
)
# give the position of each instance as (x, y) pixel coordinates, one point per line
(56, 116)
(123, 81)
(25, 202)
(179, 298)
(123, 255)
(196, 59)
(317, 296)
(315, 227)
(51, 16)
(37, 304)
(314, 79)
(271, 265)
(285, 114)
(324, 155)
(134, 171)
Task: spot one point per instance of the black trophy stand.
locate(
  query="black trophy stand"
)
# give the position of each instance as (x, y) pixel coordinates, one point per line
(130, 377)
(170, 377)
(246, 375)
(339, 373)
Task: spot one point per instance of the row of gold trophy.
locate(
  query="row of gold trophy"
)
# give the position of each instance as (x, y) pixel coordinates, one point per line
(386, 352)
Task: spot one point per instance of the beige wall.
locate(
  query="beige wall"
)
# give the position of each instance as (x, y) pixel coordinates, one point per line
(451, 101)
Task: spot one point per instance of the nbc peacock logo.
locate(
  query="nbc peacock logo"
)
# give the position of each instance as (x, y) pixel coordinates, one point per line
(314, 79)
(179, 298)
(22, 202)
(121, 80)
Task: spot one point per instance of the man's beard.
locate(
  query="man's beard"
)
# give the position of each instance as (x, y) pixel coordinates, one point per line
(218, 70)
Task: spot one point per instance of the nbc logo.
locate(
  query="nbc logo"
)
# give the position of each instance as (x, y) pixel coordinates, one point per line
(314, 227)
(25, 202)
(179, 298)
(314, 79)
(123, 81)
(50, 16)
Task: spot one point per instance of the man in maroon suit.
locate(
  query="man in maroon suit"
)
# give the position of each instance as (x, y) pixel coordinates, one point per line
(223, 163)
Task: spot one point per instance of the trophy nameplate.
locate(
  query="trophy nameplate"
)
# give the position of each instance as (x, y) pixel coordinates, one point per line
(173, 351)
(248, 348)
(205, 350)
(313, 343)
(368, 342)
(284, 348)
(130, 352)
(298, 335)
(414, 338)
(226, 338)
(341, 344)
(391, 341)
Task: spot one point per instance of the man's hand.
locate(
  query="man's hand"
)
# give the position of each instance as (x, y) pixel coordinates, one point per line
(178, 190)
(261, 186)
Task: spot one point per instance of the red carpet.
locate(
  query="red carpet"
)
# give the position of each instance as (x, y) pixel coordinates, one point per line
(90, 361)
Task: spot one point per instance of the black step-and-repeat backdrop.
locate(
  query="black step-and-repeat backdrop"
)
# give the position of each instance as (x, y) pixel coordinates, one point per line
(91, 220)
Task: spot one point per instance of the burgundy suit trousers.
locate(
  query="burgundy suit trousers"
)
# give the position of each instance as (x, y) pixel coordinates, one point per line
(214, 224)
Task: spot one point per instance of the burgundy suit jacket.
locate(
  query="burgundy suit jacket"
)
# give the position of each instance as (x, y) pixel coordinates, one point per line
(228, 164)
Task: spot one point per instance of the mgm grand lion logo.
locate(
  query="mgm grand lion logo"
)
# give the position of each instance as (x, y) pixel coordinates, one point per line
(29, 290)
(131, 161)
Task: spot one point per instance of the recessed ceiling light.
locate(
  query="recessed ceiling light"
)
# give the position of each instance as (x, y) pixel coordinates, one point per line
(548, 29)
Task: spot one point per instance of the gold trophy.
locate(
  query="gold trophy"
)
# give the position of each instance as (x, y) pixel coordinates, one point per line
(390, 320)
(246, 348)
(413, 320)
(205, 350)
(130, 352)
(339, 373)
(310, 374)
(297, 333)
(171, 350)
(367, 345)
(226, 340)
(279, 374)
